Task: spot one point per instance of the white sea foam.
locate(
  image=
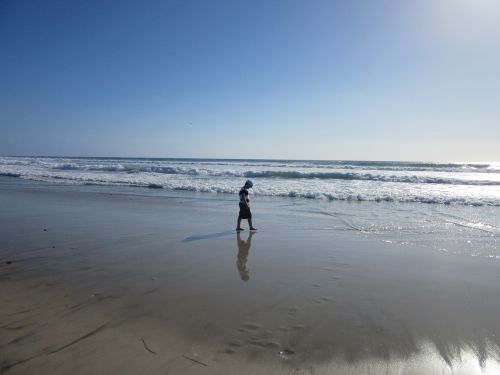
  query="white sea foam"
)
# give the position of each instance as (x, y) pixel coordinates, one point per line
(463, 184)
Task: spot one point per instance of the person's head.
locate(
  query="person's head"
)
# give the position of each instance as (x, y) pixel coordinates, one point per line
(248, 184)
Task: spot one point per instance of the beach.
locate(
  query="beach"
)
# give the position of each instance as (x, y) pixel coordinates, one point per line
(101, 280)
(363, 138)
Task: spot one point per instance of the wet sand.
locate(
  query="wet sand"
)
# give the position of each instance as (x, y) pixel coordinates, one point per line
(97, 283)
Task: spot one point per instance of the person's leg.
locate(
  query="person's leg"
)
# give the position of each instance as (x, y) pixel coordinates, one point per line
(250, 224)
(238, 225)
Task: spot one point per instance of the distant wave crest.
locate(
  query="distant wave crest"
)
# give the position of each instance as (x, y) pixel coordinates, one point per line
(286, 174)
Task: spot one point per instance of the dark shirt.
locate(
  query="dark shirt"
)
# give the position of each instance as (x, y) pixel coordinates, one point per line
(244, 196)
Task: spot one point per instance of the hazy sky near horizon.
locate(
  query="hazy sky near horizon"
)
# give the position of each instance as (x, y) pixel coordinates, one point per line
(378, 80)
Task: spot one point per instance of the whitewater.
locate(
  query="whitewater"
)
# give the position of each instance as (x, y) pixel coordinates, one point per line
(440, 183)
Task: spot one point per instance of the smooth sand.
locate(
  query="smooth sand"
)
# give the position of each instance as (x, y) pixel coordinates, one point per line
(97, 283)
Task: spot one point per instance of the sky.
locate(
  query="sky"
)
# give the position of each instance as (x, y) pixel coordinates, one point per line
(289, 79)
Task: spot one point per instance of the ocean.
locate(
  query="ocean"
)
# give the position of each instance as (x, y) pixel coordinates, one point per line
(450, 207)
(448, 183)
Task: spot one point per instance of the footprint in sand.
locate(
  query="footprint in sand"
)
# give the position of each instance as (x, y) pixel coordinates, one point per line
(235, 343)
(323, 300)
(293, 310)
(232, 346)
(286, 353)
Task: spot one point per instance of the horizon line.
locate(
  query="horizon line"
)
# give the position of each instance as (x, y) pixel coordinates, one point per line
(246, 159)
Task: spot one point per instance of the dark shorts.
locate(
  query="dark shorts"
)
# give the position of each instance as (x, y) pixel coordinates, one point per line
(245, 212)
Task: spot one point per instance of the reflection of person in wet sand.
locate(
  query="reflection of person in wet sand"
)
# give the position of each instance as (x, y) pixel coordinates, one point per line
(243, 250)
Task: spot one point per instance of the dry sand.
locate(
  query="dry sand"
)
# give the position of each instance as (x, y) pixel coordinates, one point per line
(95, 283)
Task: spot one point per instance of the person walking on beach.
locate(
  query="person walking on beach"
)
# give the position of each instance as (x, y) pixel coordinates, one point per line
(245, 212)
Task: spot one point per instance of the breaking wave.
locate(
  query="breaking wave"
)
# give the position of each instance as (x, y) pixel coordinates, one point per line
(465, 184)
(277, 174)
(369, 177)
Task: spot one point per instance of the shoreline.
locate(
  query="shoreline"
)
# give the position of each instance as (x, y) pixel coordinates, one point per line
(130, 275)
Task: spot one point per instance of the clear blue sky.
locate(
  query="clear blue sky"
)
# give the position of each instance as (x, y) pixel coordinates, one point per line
(404, 80)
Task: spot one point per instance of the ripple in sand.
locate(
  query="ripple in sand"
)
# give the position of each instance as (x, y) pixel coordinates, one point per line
(323, 300)
(252, 326)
